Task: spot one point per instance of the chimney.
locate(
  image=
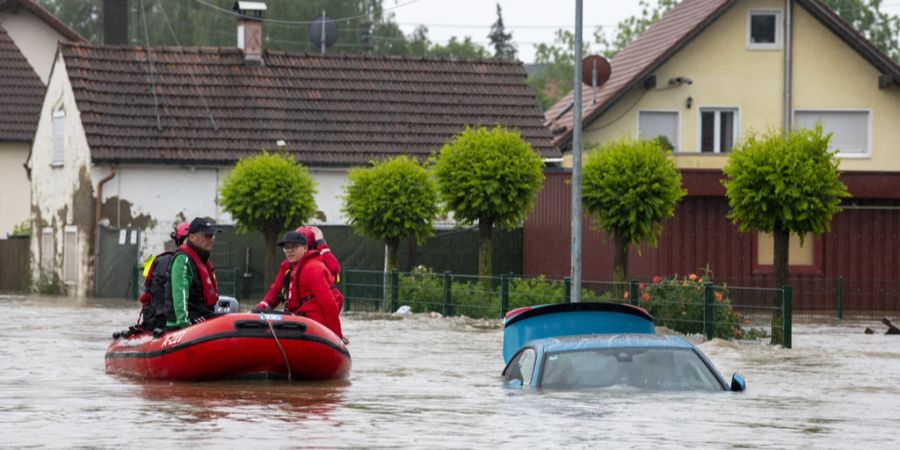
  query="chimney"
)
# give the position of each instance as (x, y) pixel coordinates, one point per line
(115, 22)
(250, 30)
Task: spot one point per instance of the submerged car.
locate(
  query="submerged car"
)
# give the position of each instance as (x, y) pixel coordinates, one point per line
(602, 345)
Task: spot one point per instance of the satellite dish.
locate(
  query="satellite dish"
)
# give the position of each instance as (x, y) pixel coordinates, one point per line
(323, 32)
(595, 70)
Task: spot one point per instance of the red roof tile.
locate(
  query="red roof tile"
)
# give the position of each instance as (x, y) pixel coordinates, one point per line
(329, 110)
(21, 93)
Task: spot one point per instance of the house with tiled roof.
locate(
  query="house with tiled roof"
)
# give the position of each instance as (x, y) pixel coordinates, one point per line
(140, 138)
(29, 36)
(706, 75)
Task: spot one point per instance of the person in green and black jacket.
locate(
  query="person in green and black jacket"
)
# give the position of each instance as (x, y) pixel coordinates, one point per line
(192, 292)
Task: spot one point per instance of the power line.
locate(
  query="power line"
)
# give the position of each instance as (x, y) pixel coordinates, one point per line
(150, 61)
(505, 26)
(190, 68)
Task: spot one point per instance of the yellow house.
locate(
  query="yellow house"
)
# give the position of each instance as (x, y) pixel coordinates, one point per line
(711, 72)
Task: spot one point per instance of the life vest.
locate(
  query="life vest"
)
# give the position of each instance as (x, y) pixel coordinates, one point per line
(210, 287)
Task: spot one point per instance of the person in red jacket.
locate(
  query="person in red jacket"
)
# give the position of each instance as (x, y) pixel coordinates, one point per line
(314, 234)
(304, 284)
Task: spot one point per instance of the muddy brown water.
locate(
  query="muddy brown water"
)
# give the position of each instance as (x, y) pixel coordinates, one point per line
(424, 382)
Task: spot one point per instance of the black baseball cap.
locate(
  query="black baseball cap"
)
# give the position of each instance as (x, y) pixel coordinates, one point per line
(292, 237)
(201, 225)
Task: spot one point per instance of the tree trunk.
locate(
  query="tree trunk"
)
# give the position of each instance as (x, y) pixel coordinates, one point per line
(782, 241)
(393, 254)
(620, 258)
(485, 230)
(272, 254)
(411, 253)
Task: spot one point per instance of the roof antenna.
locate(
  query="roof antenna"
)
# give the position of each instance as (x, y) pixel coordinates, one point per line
(150, 61)
(190, 71)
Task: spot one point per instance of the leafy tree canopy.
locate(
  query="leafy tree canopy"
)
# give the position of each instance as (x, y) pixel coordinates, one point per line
(392, 199)
(631, 186)
(489, 174)
(269, 192)
(784, 183)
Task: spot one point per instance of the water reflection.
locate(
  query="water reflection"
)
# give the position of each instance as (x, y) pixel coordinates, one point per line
(244, 401)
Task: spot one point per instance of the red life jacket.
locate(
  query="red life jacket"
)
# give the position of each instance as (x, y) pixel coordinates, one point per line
(206, 273)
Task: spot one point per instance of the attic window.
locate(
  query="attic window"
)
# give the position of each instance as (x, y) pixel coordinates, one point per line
(764, 30)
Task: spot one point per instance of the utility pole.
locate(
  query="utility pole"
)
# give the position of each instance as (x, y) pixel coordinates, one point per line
(576, 161)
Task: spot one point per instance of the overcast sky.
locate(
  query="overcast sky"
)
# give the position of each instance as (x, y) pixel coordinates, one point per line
(531, 21)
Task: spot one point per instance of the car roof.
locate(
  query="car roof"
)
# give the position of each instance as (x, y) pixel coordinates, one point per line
(600, 341)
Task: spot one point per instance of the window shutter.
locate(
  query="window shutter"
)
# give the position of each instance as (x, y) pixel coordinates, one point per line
(849, 129)
(70, 255)
(47, 250)
(59, 139)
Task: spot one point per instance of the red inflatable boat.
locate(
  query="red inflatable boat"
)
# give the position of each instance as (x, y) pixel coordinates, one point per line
(234, 346)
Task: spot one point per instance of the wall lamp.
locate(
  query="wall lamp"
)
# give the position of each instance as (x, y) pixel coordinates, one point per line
(689, 102)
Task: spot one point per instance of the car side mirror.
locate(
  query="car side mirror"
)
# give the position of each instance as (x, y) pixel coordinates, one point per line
(737, 383)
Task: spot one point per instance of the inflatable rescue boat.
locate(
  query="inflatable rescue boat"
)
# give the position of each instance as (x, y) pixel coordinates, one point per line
(234, 346)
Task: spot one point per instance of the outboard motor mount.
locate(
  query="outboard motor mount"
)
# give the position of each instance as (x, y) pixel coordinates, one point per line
(227, 305)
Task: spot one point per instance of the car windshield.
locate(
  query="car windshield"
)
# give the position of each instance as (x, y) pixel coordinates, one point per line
(666, 369)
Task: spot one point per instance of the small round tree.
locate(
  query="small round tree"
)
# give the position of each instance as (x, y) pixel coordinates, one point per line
(269, 193)
(780, 185)
(489, 176)
(630, 186)
(391, 200)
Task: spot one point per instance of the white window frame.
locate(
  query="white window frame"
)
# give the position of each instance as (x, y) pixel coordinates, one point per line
(716, 136)
(779, 29)
(856, 155)
(47, 250)
(70, 278)
(58, 140)
(677, 142)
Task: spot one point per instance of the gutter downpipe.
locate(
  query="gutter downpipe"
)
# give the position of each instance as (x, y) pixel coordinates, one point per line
(788, 61)
(97, 203)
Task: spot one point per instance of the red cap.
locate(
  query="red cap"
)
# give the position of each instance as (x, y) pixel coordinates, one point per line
(308, 234)
(181, 230)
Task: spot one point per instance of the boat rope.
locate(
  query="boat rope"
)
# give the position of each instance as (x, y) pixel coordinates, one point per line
(287, 364)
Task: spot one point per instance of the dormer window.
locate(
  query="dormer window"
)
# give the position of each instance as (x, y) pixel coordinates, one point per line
(764, 30)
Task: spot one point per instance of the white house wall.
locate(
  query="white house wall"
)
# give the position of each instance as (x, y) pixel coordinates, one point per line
(35, 39)
(62, 195)
(15, 189)
(153, 198)
(330, 185)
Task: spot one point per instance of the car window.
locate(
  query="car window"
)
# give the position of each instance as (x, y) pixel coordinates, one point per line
(644, 368)
(521, 367)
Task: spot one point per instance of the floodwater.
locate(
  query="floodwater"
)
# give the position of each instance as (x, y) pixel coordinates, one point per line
(424, 382)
